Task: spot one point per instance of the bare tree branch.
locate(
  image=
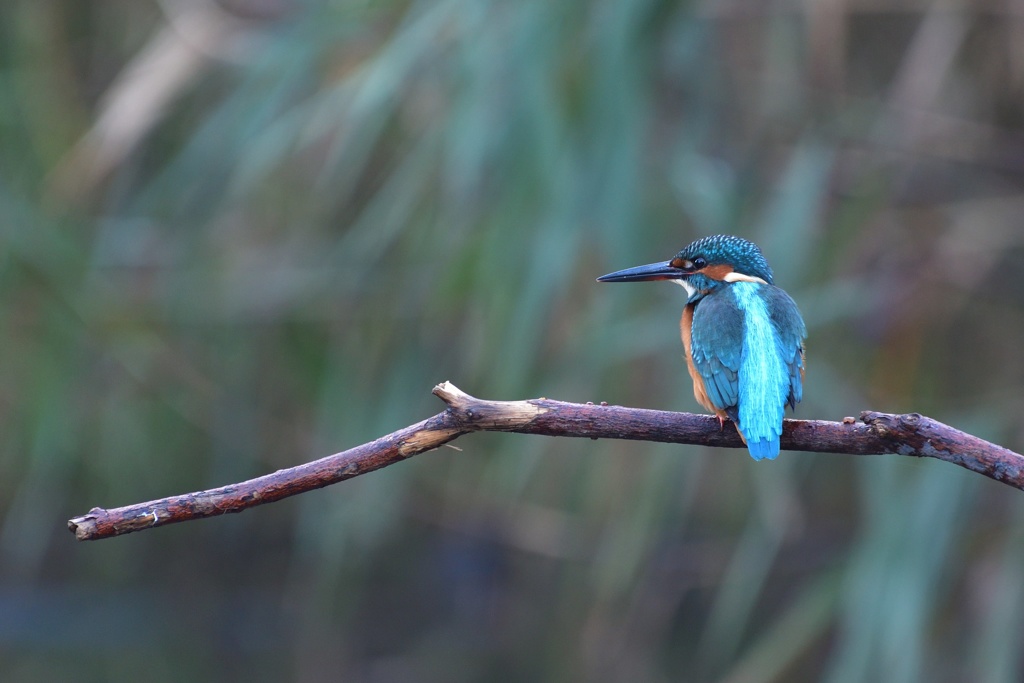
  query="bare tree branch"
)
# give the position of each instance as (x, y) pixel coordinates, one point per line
(872, 434)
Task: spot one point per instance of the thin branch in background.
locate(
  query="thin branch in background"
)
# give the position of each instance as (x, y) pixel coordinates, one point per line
(872, 434)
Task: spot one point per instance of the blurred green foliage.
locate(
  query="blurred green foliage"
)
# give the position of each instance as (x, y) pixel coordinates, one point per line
(241, 235)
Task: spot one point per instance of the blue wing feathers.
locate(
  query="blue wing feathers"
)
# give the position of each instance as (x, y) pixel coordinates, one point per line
(721, 388)
(791, 330)
(717, 346)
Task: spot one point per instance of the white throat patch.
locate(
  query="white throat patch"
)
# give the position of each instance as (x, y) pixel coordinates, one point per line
(690, 289)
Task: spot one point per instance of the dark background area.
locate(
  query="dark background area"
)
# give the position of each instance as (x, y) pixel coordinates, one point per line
(238, 236)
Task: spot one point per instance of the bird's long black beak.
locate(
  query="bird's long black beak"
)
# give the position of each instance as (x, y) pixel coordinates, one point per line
(652, 271)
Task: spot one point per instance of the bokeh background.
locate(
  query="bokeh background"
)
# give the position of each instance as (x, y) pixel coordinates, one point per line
(241, 235)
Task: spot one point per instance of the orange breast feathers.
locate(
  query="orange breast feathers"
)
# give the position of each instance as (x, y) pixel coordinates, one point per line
(699, 392)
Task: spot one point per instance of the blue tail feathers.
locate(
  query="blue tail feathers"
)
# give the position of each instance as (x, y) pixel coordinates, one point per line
(763, 449)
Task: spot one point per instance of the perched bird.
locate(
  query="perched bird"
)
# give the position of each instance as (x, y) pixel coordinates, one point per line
(744, 337)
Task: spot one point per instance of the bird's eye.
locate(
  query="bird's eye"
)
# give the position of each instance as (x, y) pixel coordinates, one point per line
(699, 263)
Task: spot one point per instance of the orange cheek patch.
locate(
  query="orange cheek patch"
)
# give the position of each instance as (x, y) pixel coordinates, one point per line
(717, 272)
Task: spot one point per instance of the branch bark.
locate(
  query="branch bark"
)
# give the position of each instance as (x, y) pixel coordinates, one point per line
(871, 434)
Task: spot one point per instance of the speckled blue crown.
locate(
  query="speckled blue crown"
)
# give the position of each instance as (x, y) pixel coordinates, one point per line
(743, 255)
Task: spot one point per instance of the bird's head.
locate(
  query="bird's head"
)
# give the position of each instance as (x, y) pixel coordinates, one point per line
(703, 266)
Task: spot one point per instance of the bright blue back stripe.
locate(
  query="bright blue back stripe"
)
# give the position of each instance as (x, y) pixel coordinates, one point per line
(764, 377)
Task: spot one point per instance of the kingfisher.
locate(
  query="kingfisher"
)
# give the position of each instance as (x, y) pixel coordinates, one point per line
(743, 336)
